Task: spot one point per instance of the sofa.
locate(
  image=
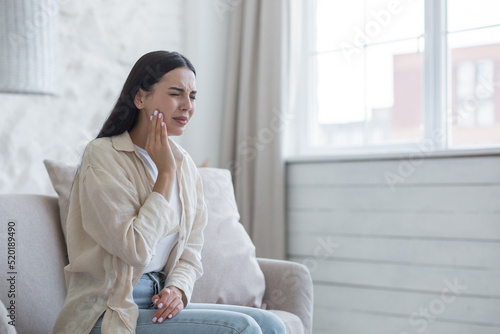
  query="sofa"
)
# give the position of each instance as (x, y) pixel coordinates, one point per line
(32, 288)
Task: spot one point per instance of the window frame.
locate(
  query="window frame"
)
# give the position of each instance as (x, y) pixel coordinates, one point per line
(436, 92)
(436, 98)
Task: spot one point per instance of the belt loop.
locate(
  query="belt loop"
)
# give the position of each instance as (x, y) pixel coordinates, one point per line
(163, 277)
(156, 282)
(158, 278)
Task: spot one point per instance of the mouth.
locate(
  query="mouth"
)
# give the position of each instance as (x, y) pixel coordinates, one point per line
(182, 120)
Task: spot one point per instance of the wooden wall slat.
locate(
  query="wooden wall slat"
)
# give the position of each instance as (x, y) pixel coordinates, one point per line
(453, 306)
(435, 252)
(476, 170)
(415, 199)
(336, 321)
(481, 283)
(485, 226)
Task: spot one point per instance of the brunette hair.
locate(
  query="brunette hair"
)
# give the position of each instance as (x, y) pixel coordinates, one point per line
(147, 71)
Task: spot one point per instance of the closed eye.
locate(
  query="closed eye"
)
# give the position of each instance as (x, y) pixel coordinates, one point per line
(182, 91)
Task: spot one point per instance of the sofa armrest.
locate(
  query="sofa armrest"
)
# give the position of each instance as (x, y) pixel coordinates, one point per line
(288, 288)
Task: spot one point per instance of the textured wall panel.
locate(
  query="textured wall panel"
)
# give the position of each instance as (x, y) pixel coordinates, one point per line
(99, 41)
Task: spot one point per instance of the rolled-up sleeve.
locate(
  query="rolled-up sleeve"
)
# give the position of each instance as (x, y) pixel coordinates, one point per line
(189, 267)
(114, 217)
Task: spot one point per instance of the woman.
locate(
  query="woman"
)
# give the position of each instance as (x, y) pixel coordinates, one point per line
(136, 218)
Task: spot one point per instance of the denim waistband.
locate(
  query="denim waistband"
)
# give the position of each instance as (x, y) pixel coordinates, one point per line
(158, 279)
(149, 284)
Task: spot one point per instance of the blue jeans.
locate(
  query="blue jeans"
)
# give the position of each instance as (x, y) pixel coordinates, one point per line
(198, 318)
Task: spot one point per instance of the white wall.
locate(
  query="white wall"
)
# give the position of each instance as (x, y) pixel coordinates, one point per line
(99, 43)
(206, 46)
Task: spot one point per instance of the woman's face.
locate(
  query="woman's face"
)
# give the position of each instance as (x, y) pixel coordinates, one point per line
(173, 96)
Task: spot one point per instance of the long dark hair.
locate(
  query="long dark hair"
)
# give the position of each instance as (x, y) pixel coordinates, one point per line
(146, 72)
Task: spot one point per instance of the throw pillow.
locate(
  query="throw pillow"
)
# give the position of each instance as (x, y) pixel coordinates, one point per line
(61, 175)
(232, 274)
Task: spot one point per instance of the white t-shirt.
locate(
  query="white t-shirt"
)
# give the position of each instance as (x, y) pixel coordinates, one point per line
(166, 244)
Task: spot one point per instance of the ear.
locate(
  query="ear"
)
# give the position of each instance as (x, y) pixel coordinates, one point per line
(139, 99)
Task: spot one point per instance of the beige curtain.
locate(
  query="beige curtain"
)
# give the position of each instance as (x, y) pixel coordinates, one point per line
(255, 118)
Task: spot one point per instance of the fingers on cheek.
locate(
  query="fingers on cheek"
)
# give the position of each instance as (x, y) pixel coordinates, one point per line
(160, 121)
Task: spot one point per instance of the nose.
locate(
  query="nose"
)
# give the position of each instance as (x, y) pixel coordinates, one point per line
(186, 104)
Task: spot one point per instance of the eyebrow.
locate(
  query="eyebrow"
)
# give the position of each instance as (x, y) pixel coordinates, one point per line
(181, 90)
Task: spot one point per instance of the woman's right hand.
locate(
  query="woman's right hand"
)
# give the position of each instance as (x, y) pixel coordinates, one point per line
(157, 145)
(160, 152)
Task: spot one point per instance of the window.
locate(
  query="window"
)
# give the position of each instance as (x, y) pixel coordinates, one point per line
(386, 74)
(474, 55)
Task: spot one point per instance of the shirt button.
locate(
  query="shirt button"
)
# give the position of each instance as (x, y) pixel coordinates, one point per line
(177, 262)
(182, 238)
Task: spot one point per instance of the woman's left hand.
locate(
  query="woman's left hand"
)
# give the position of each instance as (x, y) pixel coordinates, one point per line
(169, 303)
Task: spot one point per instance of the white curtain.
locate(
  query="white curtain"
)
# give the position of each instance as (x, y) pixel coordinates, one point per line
(256, 114)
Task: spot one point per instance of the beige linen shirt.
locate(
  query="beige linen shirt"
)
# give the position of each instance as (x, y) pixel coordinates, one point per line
(114, 223)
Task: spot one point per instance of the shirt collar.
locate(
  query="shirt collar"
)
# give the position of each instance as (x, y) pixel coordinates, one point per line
(123, 142)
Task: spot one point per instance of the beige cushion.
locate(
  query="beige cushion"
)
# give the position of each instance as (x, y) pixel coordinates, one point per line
(232, 274)
(61, 175)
